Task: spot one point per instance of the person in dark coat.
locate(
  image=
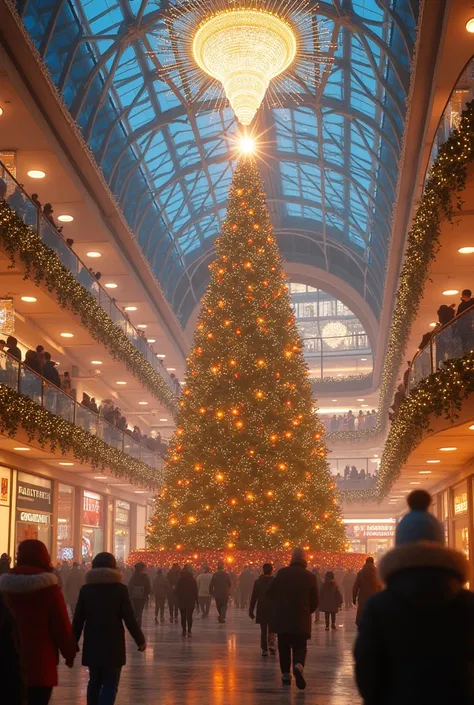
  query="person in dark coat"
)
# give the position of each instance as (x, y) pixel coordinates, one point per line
(102, 609)
(12, 347)
(330, 599)
(186, 593)
(295, 593)
(32, 361)
(219, 589)
(366, 584)
(32, 594)
(464, 324)
(160, 591)
(265, 610)
(12, 684)
(416, 639)
(172, 578)
(50, 372)
(139, 589)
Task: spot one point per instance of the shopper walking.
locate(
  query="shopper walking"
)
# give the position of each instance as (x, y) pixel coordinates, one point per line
(204, 596)
(219, 589)
(32, 594)
(265, 610)
(415, 642)
(330, 600)
(366, 584)
(139, 589)
(347, 588)
(160, 591)
(186, 593)
(246, 581)
(102, 609)
(295, 593)
(173, 577)
(74, 582)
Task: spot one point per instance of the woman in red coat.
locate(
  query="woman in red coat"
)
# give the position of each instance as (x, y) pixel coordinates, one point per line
(31, 592)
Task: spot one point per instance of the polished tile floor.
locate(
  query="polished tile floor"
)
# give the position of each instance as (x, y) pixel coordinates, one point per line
(221, 665)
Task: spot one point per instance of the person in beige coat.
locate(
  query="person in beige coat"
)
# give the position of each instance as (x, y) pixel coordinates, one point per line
(366, 584)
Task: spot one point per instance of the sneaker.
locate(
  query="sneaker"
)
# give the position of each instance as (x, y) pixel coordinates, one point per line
(264, 652)
(286, 679)
(298, 672)
(333, 626)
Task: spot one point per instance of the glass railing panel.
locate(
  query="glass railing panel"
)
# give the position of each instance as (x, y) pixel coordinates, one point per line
(9, 371)
(86, 419)
(421, 367)
(58, 402)
(30, 384)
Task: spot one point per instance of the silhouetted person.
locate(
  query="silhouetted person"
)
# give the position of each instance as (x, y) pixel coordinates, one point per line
(173, 577)
(366, 584)
(204, 596)
(186, 592)
(12, 347)
(330, 599)
(347, 587)
(464, 324)
(139, 589)
(219, 588)
(50, 372)
(265, 610)
(160, 591)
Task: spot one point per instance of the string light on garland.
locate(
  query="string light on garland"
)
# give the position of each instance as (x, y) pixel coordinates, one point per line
(264, 484)
(43, 266)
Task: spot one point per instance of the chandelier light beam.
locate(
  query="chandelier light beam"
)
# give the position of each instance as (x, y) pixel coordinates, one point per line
(250, 51)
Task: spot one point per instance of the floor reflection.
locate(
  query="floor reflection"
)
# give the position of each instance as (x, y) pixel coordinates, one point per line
(221, 665)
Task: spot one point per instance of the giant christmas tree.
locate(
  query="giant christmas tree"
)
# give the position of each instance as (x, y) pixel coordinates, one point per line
(246, 467)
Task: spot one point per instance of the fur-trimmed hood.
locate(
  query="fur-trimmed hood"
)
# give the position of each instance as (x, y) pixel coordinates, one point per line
(24, 582)
(103, 576)
(424, 554)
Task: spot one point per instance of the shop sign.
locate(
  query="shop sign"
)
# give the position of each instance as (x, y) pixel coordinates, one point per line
(33, 497)
(91, 509)
(4, 489)
(32, 517)
(460, 503)
(360, 531)
(122, 512)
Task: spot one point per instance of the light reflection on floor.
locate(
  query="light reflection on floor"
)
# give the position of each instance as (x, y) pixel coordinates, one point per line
(221, 665)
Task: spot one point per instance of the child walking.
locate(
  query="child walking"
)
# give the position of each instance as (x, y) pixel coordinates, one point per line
(331, 599)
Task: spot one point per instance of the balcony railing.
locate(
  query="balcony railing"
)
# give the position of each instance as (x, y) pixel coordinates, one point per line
(452, 340)
(339, 356)
(354, 473)
(25, 208)
(19, 377)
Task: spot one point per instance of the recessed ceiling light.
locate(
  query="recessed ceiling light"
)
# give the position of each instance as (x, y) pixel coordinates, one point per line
(365, 405)
(425, 472)
(65, 218)
(333, 400)
(20, 448)
(151, 340)
(121, 383)
(450, 292)
(1, 111)
(36, 173)
(111, 285)
(360, 399)
(163, 419)
(415, 483)
(433, 461)
(466, 250)
(67, 464)
(161, 357)
(96, 362)
(171, 369)
(375, 455)
(363, 359)
(99, 477)
(94, 255)
(432, 325)
(130, 308)
(140, 491)
(142, 325)
(29, 299)
(447, 449)
(470, 25)
(67, 335)
(143, 403)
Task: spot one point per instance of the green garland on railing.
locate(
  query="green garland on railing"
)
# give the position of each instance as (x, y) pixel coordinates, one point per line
(366, 377)
(44, 267)
(441, 199)
(48, 430)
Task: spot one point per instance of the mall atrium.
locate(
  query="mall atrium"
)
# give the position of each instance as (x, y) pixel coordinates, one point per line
(236, 255)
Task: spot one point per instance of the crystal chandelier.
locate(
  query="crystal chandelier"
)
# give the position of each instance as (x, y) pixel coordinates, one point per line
(244, 49)
(333, 334)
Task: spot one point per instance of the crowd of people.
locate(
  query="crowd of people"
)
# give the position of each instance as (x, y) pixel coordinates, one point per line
(415, 620)
(351, 422)
(454, 341)
(352, 473)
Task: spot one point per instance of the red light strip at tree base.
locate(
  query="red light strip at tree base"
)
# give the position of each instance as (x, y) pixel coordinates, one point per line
(236, 560)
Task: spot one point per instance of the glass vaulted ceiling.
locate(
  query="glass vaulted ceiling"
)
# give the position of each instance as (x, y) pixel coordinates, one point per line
(333, 153)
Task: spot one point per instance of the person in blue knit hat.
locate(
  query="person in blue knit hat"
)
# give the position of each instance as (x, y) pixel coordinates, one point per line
(416, 638)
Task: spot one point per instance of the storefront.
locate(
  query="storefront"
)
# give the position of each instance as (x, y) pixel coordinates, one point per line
(461, 518)
(34, 506)
(64, 529)
(122, 529)
(5, 508)
(92, 524)
(370, 536)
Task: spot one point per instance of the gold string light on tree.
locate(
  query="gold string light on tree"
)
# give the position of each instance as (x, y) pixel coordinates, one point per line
(248, 459)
